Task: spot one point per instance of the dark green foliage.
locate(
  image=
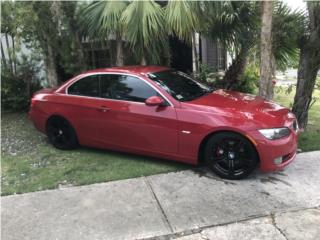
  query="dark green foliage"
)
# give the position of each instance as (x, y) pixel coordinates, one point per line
(205, 73)
(236, 25)
(249, 80)
(287, 28)
(246, 84)
(17, 89)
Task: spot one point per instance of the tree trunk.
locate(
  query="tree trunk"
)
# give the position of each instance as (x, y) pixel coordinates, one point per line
(93, 59)
(143, 61)
(51, 67)
(14, 56)
(28, 80)
(236, 69)
(119, 53)
(195, 53)
(9, 53)
(266, 88)
(309, 66)
(3, 57)
(69, 10)
(81, 56)
(307, 72)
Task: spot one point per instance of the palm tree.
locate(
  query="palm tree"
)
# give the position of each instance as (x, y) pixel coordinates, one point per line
(309, 64)
(103, 19)
(287, 28)
(183, 20)
(235, 25)
(145, 32)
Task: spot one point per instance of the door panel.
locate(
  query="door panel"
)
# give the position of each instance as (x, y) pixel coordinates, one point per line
(81, 107)
(130, 122)
(136, 125)
(108, 110)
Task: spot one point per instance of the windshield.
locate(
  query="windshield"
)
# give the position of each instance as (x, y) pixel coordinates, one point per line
(179, 85)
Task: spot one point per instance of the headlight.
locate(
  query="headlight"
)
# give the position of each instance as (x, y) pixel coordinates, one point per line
(275, 133)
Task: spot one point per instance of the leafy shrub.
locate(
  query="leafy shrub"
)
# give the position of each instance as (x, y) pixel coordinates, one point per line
(249, 80)
(204, 73)
(317, 85)
(208, 75)
(247, 84)
(17, 89)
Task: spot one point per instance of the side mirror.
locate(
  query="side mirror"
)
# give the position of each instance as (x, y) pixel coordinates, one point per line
(154, 101)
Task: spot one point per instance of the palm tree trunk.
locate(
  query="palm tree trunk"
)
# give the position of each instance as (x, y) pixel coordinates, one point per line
(236, 69)
(119, 53)
(265, 86)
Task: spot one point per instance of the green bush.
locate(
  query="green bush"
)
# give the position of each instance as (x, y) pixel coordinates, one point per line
(17, 88)
(249, 80)
(247, 84)
(205, 73)
(208, 75)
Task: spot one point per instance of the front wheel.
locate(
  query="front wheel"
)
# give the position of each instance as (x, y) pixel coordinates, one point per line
(230, 155)
(61, 134)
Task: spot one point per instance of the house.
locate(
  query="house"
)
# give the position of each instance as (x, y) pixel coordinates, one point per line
(182, 55)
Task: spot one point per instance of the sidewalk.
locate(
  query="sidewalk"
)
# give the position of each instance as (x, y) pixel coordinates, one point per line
(183, 205)
(302, 224)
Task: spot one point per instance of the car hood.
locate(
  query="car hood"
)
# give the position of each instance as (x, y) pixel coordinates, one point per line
(245, 106)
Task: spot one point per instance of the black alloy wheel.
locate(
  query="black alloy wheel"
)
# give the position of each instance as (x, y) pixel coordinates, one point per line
(61, 134)
(230, 155)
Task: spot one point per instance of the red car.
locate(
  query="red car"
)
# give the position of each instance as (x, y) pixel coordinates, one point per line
(162, 112)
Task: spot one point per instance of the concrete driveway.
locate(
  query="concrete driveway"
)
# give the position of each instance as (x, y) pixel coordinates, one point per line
(191, 204)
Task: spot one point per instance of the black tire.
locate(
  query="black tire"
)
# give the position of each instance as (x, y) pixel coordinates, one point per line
(230, 155)
(61, 134)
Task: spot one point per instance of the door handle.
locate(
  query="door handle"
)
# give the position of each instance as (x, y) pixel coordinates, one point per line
(104, 109)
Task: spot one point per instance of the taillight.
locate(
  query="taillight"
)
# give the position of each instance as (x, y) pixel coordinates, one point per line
(33, 102)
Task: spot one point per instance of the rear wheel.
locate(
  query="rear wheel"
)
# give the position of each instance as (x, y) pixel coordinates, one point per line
(231, 155)
(61, 134)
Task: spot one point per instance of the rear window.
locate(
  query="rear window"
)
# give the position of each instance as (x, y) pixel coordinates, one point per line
(87, 86)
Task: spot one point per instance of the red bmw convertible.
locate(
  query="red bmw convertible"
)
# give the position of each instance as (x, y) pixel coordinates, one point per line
(162, 112)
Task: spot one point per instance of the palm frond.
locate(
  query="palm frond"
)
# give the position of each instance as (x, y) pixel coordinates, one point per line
(287, 27)
(235, 24)
(104, 17)
(144, 21)
(181, 18)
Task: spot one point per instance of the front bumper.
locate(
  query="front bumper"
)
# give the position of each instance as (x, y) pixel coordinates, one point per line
(269, 150)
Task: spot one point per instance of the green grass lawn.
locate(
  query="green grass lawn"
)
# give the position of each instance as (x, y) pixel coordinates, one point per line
(30, 163)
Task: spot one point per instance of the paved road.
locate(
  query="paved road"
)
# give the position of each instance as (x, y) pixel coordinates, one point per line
(184, 205)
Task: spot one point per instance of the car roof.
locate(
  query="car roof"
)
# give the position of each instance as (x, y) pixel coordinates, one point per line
(131, 69)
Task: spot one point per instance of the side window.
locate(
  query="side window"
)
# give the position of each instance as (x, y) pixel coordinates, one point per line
(130, 88)
(106, 81)
(88, 86)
